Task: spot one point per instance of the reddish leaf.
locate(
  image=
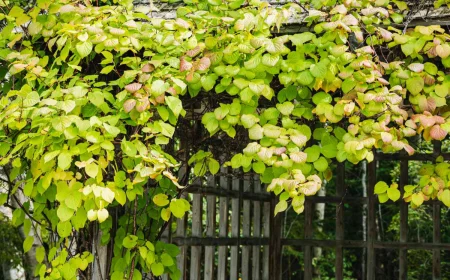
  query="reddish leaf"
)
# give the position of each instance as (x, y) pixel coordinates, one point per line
(129, 105)
(204, 64)
(132, 88)
(437, 132)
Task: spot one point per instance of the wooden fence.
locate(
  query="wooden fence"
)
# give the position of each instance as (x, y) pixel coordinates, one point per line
(232, 233)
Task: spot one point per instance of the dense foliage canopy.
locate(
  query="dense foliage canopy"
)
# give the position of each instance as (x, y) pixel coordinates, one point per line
(94, 99)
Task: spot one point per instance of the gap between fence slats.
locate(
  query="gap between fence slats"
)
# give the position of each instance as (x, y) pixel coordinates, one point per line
(210, 229)
(235, 230)
(256, 231)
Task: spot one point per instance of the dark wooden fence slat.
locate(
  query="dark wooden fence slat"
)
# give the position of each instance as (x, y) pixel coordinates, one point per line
(275, 242)
(235, 230)
(340, 190)
(403, 264)
(246, 225)
(196, 251)
(308, 232)
(223, 225)
(266, 251)
(371, 227)
(210, 230)
(256, 261)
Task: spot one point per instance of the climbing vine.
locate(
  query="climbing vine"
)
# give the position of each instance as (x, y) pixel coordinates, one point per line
(95, 97)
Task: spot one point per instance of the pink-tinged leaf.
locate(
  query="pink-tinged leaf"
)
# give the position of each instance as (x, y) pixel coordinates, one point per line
(386, 137)
(411, 124)
(385, 34)
(408, 132)
(190, 76)
(394, 98)
(383, 81)
(359, 36)
(339, 9)
(439, 119)
(195, 51)
(172, 91)
(348, 108)
(350, 20)
(429, 80)
(185, 65)
(129, 105)
(427, 121)
(132, 88)
(279, 151)
(148, 68)
(299, 140)
(298, 157)
(397, 145)
(416, 67)
(410, 150)
(431, 103)
(437, 132)
(366, 49)
(160, 98)
(204, 64)
(142, 105)
(182, 23)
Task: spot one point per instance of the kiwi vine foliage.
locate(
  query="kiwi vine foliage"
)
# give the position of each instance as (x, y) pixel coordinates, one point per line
(93, 93)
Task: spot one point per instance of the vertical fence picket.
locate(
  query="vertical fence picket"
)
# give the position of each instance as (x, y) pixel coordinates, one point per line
(196, 251)
(223, 225)
(256, 262)
(403, 269)
(210, 229)
(266, 249)
(235, 230)
(340, 189)
(246, 224)
(307, 250)
(372, 230)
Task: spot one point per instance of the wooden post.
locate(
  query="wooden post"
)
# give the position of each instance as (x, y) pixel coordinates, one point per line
(372, 230)
(210, 229)
(307, 249)
(246, 224)
(266, 251)
(235, 229)
(275, 241)
(223, 225)
(403, 221)
(196, 251)
(256, 231)
(340, 190)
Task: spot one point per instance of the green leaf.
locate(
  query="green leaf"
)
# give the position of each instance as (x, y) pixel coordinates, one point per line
(28, 243)
(161, 199)
(157, 268)
(320, 69)
(393, 193)
(213, 166)
(280, 207)
(322, 97)
(166, 259)
(313, 153)
(381, 187)
(84, 48)
(3, 198)
(174, 104)
(321, 164)
(92, 170)
(64, 160)
(64, 213)
(445, 197)
(177, 208)
(417, 199)
(130, 241)
(128, 148)
(259, 167)
(64, 229)
(415, 85)
(40, 254)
